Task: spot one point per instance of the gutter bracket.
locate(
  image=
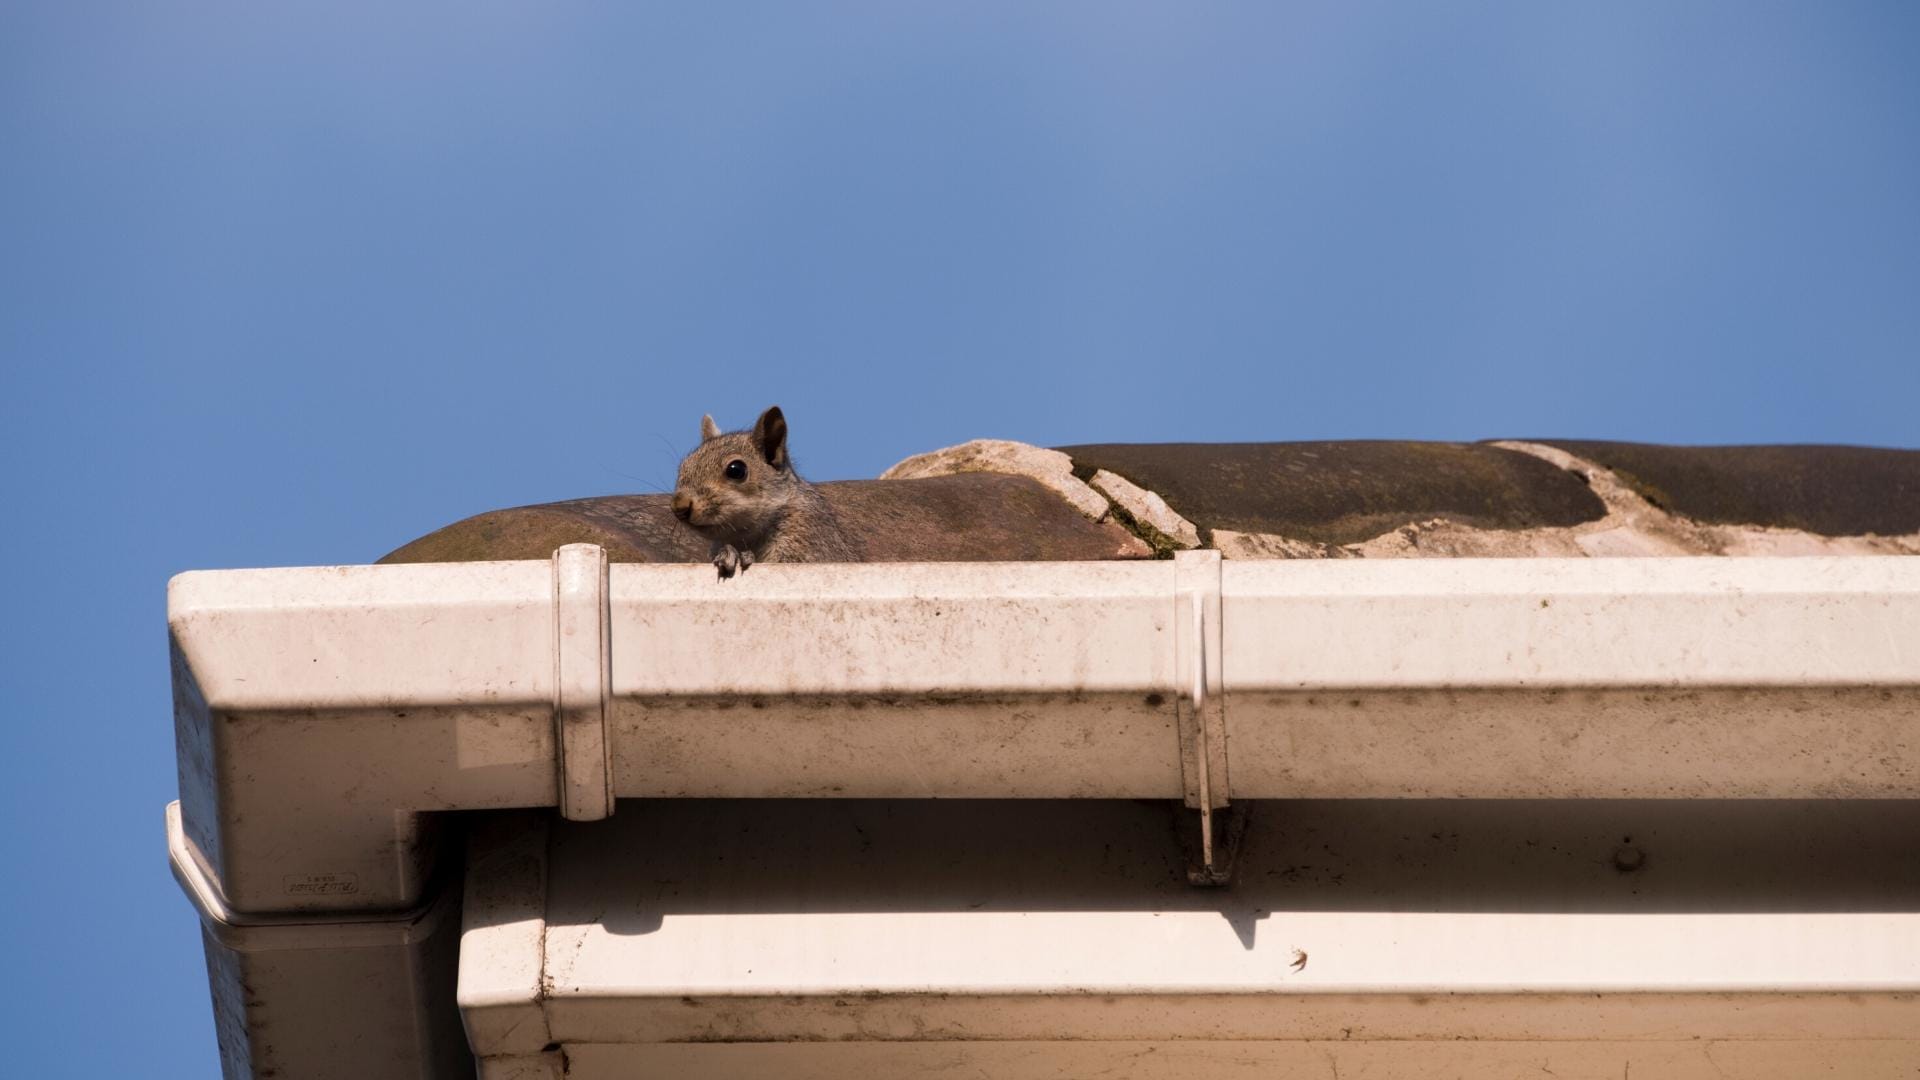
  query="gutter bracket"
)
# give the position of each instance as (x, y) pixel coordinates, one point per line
(581, 682)
(1203, 719)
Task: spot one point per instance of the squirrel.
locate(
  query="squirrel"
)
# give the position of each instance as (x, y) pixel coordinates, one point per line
(740, 491)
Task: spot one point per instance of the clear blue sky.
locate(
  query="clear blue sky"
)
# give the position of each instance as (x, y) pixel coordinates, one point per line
(292, 284)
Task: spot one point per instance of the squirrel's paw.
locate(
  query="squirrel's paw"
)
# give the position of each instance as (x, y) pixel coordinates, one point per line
(729, 559)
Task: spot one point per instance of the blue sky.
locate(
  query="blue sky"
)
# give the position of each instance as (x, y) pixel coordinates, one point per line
(292, 284)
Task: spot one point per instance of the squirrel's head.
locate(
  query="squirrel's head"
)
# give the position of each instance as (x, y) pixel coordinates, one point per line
(735, 485)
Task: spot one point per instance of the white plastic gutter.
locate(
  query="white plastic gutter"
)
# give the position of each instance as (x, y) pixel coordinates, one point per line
(324, 714)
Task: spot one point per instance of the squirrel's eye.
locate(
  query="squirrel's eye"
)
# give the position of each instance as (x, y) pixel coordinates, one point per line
(736, 469)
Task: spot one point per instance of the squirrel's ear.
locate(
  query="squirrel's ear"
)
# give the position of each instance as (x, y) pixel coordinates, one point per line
(770, 437)
(708, 429)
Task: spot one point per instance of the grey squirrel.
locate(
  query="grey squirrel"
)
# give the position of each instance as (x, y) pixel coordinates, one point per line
(740, 491)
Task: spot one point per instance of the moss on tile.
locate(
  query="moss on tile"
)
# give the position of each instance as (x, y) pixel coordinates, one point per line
(1347, 492)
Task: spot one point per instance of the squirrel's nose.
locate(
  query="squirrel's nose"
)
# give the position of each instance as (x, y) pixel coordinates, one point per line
(682, 506)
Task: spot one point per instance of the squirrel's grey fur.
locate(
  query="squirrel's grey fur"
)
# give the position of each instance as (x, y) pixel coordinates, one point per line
(740, 491)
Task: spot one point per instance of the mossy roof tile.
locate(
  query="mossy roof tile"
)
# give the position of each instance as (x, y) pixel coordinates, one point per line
(1347, 492)
(1829, 490)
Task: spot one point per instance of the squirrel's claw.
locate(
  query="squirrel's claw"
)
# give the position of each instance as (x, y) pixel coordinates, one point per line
(726, 559)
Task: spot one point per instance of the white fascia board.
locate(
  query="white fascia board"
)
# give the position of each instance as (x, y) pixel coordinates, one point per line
(1240, 1059)
(1005, 920)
